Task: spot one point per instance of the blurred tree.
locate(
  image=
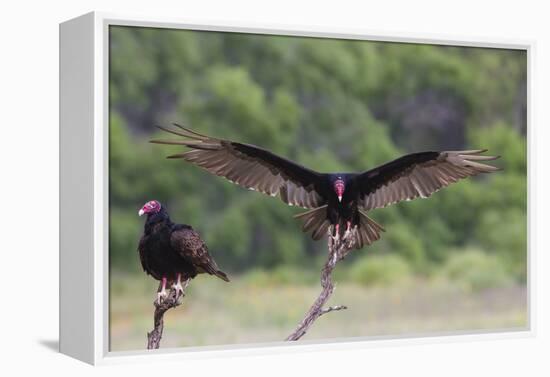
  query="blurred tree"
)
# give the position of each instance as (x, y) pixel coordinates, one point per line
(331, 105)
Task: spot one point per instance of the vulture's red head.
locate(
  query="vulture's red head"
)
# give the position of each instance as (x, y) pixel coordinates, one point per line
(149, 208)
(339, 188)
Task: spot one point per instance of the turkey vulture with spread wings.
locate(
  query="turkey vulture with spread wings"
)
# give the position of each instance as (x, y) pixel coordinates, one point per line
(172, 252)
(337, 202)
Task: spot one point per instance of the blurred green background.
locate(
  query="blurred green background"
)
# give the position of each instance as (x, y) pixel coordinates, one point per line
(454, 262)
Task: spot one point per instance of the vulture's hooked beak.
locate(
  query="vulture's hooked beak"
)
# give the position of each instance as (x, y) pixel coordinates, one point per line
(339, 188)
(141, 212)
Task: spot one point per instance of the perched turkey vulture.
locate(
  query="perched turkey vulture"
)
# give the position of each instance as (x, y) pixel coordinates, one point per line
(338, 202)
(172, 252)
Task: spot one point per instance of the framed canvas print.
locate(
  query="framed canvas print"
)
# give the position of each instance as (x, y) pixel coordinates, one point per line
(228, 189)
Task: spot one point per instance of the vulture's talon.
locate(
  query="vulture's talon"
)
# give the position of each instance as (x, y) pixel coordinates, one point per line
(161, 296)
(162, 293)
(346, 235)
(178, 288)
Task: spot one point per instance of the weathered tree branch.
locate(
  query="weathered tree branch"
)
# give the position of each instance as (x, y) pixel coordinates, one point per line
(337, 250)
(173, 300)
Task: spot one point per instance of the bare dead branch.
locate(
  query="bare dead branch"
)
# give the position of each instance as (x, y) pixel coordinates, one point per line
(337, 250)
(173, 300)
(333, 308)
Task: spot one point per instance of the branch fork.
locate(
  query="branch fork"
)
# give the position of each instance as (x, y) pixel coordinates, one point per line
(173, 300)
(338, 249)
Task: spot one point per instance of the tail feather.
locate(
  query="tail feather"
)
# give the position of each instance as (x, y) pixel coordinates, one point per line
(367, 232)
(316, 222)
(222, 275)
(213, 269)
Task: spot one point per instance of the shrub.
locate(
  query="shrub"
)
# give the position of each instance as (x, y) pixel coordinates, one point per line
(292, 275)
(380, 270)
(504, 233)
(282, 275)
(475, 270)
(257, 277)
(404, 243)
(123, 240)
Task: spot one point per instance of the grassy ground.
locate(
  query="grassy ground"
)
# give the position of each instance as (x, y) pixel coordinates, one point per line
(245, 311)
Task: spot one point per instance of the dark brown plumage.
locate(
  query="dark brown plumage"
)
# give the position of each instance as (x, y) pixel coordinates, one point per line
(338, 202)
(172, 252)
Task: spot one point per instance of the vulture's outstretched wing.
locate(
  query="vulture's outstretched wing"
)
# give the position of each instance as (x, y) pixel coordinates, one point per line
(419, 175)
(189, 245)
(250, 167)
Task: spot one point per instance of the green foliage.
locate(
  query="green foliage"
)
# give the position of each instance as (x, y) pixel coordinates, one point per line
(123, 239)
(403, 241)
(282, 275)
(475, 270)
(380, 270)
(501, 137)
(331, 105)
(504, 233)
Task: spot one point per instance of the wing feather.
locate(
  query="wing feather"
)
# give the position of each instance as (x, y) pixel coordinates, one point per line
(189, 245)
(250, 167)
(419, 175)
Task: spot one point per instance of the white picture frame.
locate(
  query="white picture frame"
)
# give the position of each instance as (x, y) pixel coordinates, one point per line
(84, 190)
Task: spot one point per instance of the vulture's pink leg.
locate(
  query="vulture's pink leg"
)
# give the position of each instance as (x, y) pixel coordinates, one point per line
(163, 293)
(336, 235)
(178, 287)
(347, 233)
